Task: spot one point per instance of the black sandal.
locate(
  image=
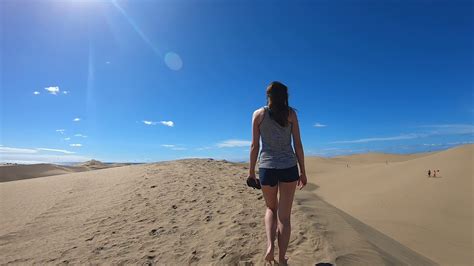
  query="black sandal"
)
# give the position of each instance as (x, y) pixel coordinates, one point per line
(254, 183)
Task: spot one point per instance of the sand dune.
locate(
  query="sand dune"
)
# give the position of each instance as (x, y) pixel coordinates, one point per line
(433, 216)
(14, 172)
(198, 211)
(177, 212)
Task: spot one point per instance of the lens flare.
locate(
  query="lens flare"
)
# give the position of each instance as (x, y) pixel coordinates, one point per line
(173, 61)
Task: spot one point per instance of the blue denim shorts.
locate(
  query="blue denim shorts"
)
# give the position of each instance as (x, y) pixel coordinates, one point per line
(271, 176)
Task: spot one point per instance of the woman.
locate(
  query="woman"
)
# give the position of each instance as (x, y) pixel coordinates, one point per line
(276, 123)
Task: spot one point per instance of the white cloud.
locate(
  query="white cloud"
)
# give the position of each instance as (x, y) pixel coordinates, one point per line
(168, 145)
(55, 150)
(319, 125)
(53, 90)
(203, 148)
(152, 123)
(167, 123)
(68, 138)
(16, 150)
(60, 131)
(173, 147)
(233, 143)
(107, 62)
(77, 119)
(149, 123)
(75, 145)
(36, 92)
(80, 135)
(65, 92)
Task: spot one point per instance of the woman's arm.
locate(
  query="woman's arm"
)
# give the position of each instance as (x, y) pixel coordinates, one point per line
(298, 145)
(255, 146)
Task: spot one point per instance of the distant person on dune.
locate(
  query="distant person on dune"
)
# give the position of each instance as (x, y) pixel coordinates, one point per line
(434, 173)
(429, 173)
(276, 124)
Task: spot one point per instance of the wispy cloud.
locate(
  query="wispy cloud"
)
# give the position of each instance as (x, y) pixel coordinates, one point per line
(68, 138)
(53, 90)
(149, 123)
(364, 140)
(80, 135)
(55, 150)
(174, 147)
(36, 92)
(168, 145)
(203, 148)
(16, 150)
(319, 125)
(60, 131)
(77, 119)
(38, 155)
(433, 130)
(65, 92)
(231, 143)
(152, 123)
(75, 145)
(450, 129)
(167, 123)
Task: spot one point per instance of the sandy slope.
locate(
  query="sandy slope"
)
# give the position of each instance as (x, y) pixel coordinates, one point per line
(178, 212)
(433, 216)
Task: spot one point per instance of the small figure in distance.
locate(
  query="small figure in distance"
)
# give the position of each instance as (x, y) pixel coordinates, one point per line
(429, 173)
(434, 173)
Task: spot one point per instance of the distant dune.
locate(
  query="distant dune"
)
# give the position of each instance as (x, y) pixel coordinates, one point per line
(433, 216)
(12, 172)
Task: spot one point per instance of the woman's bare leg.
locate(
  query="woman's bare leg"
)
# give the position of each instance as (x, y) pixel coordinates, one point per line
(287, 193)
(271, 200)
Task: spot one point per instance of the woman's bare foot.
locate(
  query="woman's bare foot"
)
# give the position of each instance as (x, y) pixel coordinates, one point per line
(283, 261)
(269, 256)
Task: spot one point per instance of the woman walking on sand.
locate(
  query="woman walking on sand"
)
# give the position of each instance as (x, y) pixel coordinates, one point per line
(276, 123)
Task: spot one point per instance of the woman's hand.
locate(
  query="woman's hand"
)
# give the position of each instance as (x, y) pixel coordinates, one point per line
(302, 181)
(252, 175)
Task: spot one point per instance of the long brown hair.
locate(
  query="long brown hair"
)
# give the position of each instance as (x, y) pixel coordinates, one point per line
(277, 101)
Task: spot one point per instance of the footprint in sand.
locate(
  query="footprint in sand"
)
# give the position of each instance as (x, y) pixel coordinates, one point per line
(156, 232)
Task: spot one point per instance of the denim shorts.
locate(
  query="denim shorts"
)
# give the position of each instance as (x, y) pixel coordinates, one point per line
(271, 176)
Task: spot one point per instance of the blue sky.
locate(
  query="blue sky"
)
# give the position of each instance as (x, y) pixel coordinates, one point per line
(159, 80)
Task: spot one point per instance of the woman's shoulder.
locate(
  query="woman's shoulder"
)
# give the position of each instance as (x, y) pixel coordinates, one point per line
(259, 111)
(259, 114)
